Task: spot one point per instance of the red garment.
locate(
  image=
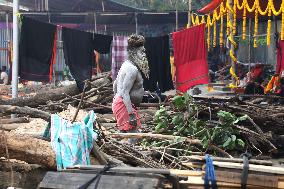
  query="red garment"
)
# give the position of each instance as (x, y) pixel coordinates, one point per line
(280, 58)
(256, 72)
(53, 58)
(190, 57)
(122, 116)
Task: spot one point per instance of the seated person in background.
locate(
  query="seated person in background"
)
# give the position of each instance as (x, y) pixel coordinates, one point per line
(255, 87)
(273, 84)
(280, 90)
(4, 76)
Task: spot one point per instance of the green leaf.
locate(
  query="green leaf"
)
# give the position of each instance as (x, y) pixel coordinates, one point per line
(205, 142)
(243, 118)
(160, 126)
(179, 102)
(177, 119)
(187, 97)
(241, 143)
(227, 143)
(226, 118)
(233, 138)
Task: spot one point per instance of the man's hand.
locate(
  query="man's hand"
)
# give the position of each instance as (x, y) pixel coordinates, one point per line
(132, 120)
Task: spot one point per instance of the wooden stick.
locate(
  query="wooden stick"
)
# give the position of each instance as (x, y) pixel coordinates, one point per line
(155, 136)
(234, 160)
(213, 147)
(80, 103)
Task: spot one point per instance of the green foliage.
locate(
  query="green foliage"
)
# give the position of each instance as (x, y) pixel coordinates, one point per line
(161, 118)
(183, 122)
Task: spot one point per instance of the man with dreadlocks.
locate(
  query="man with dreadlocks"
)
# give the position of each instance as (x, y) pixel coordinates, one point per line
(128, 86)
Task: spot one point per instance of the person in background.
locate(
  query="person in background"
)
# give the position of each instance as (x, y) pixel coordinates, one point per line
(128, 86)
(173, 68)
(97, 62)
(254, 87)
(280, 91)
(4, 76)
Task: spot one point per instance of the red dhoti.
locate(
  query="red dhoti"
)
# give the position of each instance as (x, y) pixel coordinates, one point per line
(121, 115)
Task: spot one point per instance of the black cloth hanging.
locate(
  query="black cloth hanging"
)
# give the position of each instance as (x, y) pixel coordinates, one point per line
(158, 55)
(78, 54)
(102, 43)
(35, 50)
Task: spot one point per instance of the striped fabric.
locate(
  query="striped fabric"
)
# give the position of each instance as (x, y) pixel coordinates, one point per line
(72, 142)
(119, 54)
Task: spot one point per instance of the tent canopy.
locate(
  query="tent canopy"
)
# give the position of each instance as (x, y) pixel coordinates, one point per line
(209, 8)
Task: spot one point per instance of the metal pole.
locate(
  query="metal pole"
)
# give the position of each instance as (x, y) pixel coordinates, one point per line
(249, 53)
(7, 39)
(176, 19)
(15, 49)
(103, 6)
(189, 12)
(136, 24)
(47, 5)
(95, 19)
(232, 36)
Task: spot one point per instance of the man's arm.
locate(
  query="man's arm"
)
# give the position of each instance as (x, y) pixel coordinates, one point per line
(128, 82)
(115, 87)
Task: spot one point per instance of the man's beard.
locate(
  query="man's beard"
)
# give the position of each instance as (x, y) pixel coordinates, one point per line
(140, 61)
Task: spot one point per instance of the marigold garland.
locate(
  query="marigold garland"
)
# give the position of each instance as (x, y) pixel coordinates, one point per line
(255, 29)
(244, 24)
(244, 5)
(214, 34)
(221, 40)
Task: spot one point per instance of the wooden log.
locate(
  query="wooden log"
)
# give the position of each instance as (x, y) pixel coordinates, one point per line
(18, 166)
(234, 160)
(9, 109)
(9, 127)
(255, 179)
(196, 182)
(99, 155)
(252, 167)
(51, 95)
(15, 120)
(76, 180)
(28, 149)
(155, 136)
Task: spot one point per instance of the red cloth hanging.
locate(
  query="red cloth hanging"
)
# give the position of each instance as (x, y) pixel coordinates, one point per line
(190, 57)
(280, 58)
(53, 58)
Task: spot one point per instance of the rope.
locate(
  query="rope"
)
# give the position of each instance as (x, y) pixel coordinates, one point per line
(209, 174)
(97, 177)
(246, 157)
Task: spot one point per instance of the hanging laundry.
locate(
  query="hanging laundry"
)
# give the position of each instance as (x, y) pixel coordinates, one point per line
(280, 58)
(78, 54)
(119, 54)
(190, 57)
(102, 43)
(158, 55)
(36, 50)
